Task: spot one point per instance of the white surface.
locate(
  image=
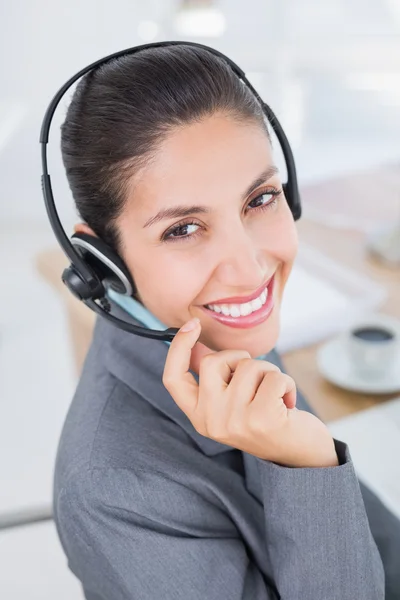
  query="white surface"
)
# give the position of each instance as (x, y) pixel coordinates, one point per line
(373, 437)
(36, 371)
(33, 566)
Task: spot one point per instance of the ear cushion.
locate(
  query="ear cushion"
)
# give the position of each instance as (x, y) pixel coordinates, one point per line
(108, 266)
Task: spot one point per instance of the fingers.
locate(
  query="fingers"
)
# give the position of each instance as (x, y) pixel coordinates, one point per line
(247, 377)
(216, 369)
(248, 380)
(278, 386)
(176, 377)
(214, 373)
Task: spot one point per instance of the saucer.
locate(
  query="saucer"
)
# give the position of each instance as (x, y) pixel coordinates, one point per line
(334, 364)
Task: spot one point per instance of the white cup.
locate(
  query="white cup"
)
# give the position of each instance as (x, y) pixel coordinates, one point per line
(373, 348)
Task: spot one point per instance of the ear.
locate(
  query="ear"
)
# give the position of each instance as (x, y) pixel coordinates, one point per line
(83, 228)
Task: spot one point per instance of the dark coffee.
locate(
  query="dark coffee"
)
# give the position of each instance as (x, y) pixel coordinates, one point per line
(373, 334)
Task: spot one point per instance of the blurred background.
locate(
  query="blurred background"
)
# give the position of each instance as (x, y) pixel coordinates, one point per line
(331, 73)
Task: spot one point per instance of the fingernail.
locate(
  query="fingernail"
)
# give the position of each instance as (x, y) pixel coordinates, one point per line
(190, 325)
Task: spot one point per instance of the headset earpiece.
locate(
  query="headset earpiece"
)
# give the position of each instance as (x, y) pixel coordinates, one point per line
(79, 287)
(108, 267)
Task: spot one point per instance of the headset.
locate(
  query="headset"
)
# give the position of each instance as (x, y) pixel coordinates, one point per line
(95, 267)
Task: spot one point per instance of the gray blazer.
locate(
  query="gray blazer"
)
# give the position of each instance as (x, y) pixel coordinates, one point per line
(146, 508)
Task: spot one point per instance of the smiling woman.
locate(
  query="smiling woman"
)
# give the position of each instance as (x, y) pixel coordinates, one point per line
(185, 471)
(233, 235)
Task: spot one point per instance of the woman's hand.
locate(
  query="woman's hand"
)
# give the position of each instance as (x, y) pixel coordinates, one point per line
(247, 404)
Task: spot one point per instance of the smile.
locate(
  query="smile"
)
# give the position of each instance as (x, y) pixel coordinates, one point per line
(247, 314)
(237, 310)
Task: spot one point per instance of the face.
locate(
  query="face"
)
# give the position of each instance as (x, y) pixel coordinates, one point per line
(233, 233)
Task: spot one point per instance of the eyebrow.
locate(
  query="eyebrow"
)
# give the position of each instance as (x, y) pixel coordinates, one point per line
(184, 211)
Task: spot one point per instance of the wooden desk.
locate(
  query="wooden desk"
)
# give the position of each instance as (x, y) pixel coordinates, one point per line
(357, 193)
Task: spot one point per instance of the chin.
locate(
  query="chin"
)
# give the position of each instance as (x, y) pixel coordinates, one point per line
(262, 346)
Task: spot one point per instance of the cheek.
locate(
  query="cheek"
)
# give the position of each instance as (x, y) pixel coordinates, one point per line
(279, 239)
(288, 249)
(168, 286)
(287, 242)
(280, 246)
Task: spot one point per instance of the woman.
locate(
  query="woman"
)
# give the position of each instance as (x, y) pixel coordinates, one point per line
(186, 471)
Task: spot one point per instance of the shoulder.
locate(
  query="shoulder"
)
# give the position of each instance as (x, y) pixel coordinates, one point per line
(100, 504)
(109, 425)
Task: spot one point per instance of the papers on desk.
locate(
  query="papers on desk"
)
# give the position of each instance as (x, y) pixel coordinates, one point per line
(322, 298)
(373, 437)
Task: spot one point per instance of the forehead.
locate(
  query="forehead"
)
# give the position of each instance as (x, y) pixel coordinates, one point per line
(203, 158)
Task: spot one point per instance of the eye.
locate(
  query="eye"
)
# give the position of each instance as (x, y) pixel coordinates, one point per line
(183, 231)
(267, 199)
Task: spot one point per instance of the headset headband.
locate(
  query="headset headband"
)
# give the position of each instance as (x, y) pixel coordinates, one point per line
(80, 277)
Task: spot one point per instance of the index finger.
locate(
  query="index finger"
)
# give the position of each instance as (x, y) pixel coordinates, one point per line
(176, 377)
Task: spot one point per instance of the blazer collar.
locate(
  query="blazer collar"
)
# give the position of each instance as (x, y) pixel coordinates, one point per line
(139, 363)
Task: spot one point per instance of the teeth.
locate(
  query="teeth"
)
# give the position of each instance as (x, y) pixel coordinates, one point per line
(240, 310)
(256, 304)
(235, 310)
(245, 309)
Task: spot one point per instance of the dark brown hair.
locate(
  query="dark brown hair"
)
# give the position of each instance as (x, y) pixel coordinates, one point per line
(122, 110)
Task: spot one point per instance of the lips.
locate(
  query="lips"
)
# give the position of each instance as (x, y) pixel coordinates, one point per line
(242, 299)
(245, 321)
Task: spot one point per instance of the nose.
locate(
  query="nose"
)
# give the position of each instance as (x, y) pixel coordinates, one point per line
(244, 262)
